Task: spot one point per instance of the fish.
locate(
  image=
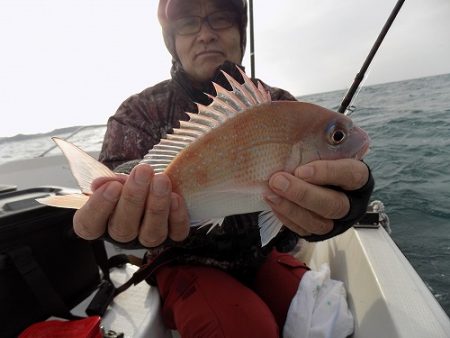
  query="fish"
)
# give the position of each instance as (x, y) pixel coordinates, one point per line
(221, 159)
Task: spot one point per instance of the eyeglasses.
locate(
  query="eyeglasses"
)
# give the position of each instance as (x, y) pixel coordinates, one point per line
(189, 25)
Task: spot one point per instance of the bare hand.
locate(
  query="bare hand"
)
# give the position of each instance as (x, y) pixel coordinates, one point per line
(140, 205)
(303, 203)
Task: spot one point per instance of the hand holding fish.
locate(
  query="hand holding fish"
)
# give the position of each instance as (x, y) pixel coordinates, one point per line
(117, 205)
(303, 203)
(137, 206)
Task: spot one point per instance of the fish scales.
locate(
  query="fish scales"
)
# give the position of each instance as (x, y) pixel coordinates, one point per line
(245, 149)
(238, 157)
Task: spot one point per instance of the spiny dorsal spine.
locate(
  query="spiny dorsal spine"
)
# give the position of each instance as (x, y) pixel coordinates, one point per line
(225, 105)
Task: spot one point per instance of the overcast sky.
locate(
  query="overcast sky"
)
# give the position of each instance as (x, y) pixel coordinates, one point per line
(72, 62)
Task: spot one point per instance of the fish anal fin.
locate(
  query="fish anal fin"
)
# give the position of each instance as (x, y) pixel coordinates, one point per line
(212, 223)
(269, 226)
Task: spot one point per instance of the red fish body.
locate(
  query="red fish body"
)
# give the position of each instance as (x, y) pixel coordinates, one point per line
(221, 160)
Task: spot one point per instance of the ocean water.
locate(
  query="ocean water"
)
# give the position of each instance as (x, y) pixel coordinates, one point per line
(88, 138)
(409, 124)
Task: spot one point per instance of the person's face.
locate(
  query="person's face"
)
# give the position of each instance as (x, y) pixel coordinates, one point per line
(201, 53)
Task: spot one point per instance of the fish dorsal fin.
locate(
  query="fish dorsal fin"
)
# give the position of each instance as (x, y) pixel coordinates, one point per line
(225, 105)
(83, 166)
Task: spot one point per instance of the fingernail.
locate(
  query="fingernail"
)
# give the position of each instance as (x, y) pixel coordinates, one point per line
(160, 185)
(280, 182)
(112, 192)
(305, 172)
(141, 177)
(274, 199)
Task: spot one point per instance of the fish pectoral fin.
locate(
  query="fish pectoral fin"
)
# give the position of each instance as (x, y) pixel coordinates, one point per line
(73, 201)
(212, 223)
(269, 226)
(84, 167)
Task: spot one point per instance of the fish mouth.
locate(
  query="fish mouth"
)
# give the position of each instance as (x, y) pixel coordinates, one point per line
(363, 151)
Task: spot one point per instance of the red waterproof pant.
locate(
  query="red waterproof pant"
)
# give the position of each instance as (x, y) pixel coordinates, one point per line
(201, 301)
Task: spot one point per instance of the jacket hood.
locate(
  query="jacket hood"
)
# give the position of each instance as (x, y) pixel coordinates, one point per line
(164, 10)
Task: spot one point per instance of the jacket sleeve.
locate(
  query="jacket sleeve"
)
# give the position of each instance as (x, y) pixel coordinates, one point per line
(128, 135)
(139, 124)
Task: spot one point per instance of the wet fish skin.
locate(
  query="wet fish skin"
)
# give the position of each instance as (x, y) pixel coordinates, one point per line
(221, 160)
(235, 161)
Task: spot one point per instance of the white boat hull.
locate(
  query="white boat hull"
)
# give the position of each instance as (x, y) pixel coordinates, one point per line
(386, 295)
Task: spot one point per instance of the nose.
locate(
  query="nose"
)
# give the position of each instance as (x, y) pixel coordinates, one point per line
(206, 33)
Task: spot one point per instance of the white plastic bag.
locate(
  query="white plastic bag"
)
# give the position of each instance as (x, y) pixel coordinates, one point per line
(319, 309)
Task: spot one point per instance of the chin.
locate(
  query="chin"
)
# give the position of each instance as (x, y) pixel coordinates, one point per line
(207, 73)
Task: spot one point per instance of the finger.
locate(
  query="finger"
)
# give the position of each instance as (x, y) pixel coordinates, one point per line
(154, 228)
(300, 220)
(124, 224)
(349, 174)
(98, 182)
(297, 228)
(325, 202)
(178, 219)
(90, 221)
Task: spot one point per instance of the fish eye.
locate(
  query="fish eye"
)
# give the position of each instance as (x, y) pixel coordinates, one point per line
(337, 136)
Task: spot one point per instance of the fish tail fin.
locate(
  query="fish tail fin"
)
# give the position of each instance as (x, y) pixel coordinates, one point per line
(73, 201)
(269, 226)
(83, 166)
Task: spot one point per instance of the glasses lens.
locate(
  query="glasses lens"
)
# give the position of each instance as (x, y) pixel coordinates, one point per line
(187, 25)
(221, 20)
(192, 24)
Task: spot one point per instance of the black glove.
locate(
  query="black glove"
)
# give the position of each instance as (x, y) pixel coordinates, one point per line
(359, 200)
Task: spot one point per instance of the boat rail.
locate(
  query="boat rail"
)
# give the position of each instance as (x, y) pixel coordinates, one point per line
(375, 217)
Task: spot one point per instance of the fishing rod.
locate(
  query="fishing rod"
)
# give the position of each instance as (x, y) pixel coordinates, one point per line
(252, 41)
(360, 76)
